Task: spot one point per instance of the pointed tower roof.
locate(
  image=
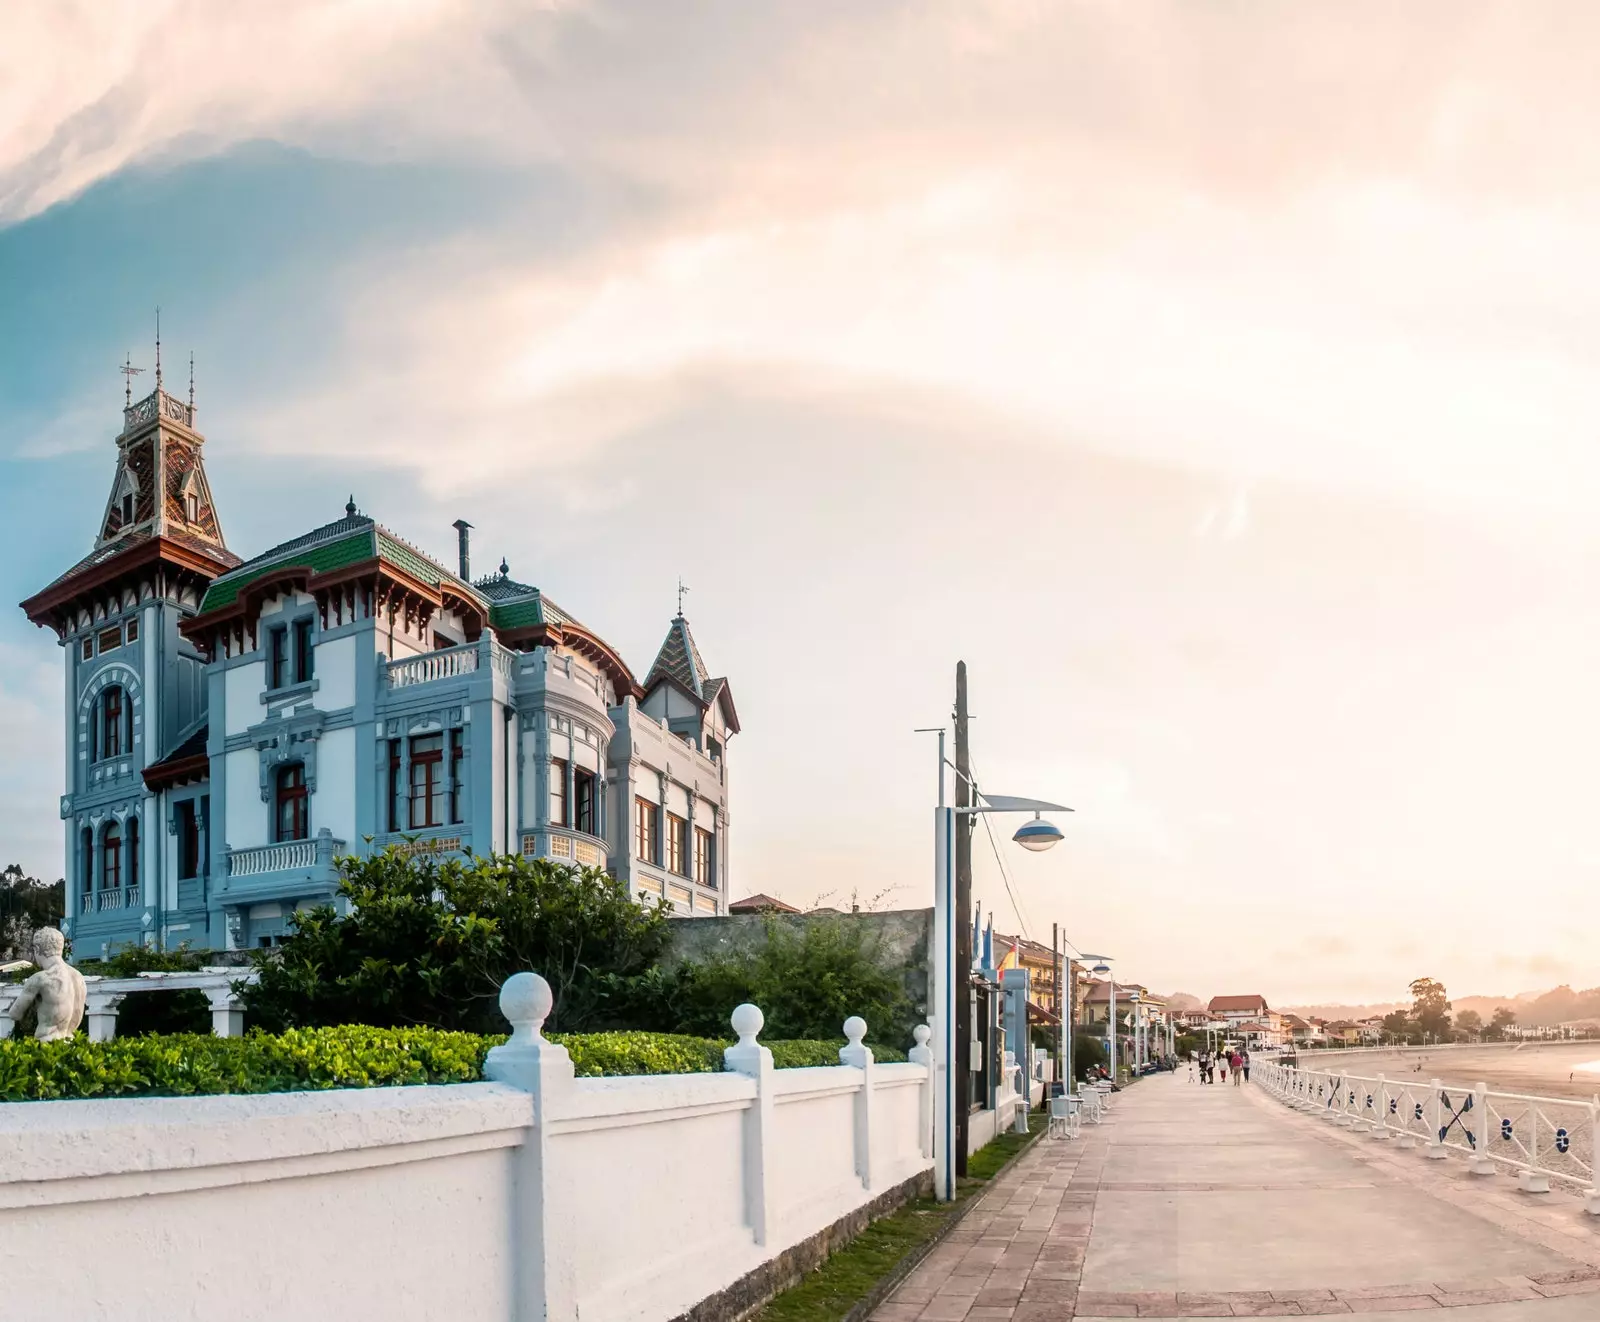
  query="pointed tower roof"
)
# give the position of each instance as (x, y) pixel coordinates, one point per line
(160, 510)
(678, 662)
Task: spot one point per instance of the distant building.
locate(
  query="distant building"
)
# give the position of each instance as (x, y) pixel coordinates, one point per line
(761, 904)
(233, 725)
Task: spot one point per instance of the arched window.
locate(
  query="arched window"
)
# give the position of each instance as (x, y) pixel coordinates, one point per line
(86, 865)
(111, 858)
(291, 802)
(116, 722)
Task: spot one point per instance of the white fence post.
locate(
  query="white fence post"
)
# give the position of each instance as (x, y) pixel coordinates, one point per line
(546, 1290)
(1434, 1149)
(922, 1054)
(1482, 1163)
(1380, 1129)
(101, 1015)
(1591, 1197)
(855, 1054)
(227, 1014)
(751, 1058)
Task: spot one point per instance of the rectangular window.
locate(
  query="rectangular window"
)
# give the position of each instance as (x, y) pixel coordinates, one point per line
(704, 868)
(457, 751)
(558, 792)
(583, 800)
(644, 830)
(427, 781)
(88, 648)
(677, 845)
(293, 819)
(397, 811)
(131, 633)
(86, 865)
(110, 639)
(277, 658)
(188, 841)
(303, 654)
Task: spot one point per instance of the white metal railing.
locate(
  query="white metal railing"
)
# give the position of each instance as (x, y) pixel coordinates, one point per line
(110, 899)
(272, 858)
(446, 663)
(1541, 1138)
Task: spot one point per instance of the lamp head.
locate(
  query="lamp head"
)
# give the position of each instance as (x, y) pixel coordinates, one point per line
(1038, 835)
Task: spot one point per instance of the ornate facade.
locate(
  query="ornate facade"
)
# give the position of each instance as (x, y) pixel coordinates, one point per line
(233, 726)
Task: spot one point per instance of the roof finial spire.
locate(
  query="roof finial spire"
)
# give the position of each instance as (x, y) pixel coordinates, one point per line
(158, 346)
(350, 506)
(505, 569)
(191, 386)
(129, 371)
(682, 588)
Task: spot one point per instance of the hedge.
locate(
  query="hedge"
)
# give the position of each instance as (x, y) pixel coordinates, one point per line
(349, 1056)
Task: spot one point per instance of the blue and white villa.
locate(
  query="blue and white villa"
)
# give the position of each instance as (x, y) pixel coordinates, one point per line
(232, 726)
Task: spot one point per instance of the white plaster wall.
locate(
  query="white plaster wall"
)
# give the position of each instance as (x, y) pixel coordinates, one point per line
(530, 786)
(335, 669)
(245, 824)
(334, 803)
(242, 688)
(677, 799)
(402, 1203)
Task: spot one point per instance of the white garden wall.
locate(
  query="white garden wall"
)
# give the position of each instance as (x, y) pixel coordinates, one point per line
(538, 1196)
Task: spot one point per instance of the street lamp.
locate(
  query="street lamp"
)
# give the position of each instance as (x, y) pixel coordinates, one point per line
(1036, 835)
(1104, 966)
(1138, 1036)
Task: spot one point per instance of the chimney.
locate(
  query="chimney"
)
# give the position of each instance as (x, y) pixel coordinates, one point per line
(461, 526)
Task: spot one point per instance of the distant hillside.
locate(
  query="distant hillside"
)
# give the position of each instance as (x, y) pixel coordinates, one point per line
(1523, 1005)
(1185, 1001)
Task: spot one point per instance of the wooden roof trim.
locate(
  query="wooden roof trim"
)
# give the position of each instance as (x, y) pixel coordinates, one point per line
(157, 550)
(594, 647)
(183, 771)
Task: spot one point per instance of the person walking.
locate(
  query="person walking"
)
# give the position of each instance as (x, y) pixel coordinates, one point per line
(1244, 1060)
(1222, 1063)
(1234, 1063)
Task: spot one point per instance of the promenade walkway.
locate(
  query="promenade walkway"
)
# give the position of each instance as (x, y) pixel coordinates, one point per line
(1196, 1201)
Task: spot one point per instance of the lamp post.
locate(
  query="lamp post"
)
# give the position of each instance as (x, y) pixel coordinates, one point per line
(1035, 835)
(1138, 1036)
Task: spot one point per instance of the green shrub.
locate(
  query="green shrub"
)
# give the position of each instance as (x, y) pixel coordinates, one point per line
(796, 1054)
(346, 1056)
(429, 942)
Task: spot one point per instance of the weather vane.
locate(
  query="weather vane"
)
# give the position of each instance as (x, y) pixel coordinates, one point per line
(129, 371)
(682, 588)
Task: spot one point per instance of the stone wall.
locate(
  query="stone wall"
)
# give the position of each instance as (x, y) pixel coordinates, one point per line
(903, 939)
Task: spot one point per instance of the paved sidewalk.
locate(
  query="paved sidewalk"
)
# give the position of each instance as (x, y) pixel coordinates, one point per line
(1194, 1201)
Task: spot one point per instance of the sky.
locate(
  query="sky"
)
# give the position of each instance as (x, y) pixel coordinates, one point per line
(1218, 381)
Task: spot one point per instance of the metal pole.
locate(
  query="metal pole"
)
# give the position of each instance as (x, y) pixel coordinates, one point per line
(1072, 1017)
(944, 1022)
(1061, 1022)
(1111, 1029)
(962, 830)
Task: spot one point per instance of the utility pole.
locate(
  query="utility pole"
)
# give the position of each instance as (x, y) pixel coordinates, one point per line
(963, 970)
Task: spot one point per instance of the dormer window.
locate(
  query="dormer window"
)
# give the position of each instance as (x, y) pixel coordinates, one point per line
(191, 507)
(127, 509)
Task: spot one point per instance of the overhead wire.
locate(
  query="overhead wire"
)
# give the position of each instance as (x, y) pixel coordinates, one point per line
(1005, 874)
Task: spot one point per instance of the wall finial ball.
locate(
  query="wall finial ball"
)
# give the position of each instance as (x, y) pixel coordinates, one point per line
(747, 1020)
(855, 1028)
(525, 1000)
(921, 1033)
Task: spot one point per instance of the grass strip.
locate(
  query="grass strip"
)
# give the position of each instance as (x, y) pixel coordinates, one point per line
(854, 1273)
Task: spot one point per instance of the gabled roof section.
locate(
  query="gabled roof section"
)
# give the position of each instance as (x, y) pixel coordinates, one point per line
(521, 614)
(185, 764)
(352, 540)
(1236, 1004)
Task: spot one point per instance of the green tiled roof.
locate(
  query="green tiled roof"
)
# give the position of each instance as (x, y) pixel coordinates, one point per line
(348, 541)
(348, 550)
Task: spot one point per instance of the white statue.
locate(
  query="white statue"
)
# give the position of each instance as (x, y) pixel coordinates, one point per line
(57, 991)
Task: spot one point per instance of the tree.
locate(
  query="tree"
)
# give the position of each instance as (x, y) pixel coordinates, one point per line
(1469, 1022)
(430, 943)
(807, 983)
(1397, 1024)
(1430, 1007)
(1504, 1017)
(26, 905)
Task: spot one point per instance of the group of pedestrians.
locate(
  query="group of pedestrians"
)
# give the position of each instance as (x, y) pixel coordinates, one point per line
(1222, 1062)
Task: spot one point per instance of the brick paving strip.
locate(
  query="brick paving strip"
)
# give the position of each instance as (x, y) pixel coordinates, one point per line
(1022, 1253)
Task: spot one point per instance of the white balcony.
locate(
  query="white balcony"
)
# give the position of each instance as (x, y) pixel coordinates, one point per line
(289, 856)
(446, 663)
